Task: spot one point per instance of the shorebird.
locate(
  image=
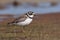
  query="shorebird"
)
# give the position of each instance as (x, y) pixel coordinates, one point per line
(25, 20)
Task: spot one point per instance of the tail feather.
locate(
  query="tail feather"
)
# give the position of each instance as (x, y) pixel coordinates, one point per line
(10, 23)
(13, 22)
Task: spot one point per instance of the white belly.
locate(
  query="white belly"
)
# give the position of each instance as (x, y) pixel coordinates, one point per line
(26, 22)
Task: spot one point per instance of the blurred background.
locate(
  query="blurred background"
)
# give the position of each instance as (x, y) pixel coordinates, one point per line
(22, 6)
(45, 25)
(16, 7)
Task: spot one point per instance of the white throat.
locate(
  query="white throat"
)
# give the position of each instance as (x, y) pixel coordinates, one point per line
(31, 15)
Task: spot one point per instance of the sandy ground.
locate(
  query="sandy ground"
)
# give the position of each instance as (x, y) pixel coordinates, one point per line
(43, 27)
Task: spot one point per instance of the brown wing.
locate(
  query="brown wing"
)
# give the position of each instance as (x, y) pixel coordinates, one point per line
(19, 19)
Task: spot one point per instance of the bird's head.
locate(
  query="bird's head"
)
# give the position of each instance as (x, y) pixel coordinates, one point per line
(30, 14)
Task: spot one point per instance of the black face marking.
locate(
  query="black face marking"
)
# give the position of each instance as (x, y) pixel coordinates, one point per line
(30, 13)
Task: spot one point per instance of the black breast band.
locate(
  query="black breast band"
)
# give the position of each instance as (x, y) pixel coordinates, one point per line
(30, 17)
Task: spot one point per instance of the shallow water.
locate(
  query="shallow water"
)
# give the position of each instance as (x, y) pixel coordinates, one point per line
(25, 8)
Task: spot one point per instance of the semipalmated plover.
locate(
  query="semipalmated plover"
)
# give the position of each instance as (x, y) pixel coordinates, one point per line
(25, 20)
